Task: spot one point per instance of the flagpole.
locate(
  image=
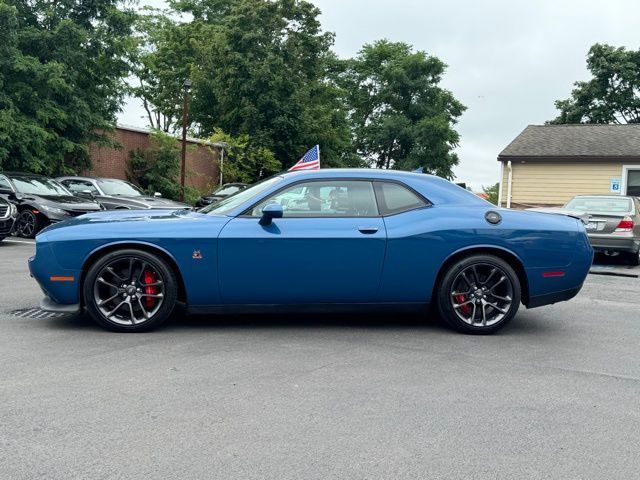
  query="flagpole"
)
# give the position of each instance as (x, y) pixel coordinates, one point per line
(319, 162)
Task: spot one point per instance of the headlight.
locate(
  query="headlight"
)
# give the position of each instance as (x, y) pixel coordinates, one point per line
(55, 210)
(13, 210)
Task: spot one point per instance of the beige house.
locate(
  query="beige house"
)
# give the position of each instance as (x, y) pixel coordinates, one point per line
(546, 165)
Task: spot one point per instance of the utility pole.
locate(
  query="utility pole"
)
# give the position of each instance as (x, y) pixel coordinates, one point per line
(185, 116)
(223, 145)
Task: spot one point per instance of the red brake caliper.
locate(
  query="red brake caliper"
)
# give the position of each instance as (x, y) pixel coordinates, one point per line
(150, 277)
(466, 309)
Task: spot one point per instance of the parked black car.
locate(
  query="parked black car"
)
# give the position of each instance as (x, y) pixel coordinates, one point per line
(224, 191)
(40, 201)
(8, 214)
(116, 194)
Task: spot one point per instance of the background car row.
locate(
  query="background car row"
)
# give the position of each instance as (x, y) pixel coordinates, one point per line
(29, 202)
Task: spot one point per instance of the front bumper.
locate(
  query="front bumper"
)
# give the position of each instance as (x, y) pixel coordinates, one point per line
(6, 226)
(49, 305)
(59, 284)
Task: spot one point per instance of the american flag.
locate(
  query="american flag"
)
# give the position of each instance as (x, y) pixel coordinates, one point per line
(310, 160)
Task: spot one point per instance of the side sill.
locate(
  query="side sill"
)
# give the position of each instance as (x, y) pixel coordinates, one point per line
(308, 308)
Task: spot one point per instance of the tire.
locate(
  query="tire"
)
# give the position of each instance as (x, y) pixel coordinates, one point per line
(477, 286)
(115, 305)
(634, 258)
(27, 224)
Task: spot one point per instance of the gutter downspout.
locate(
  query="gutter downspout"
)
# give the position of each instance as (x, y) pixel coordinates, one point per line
(500, 184)
(509, 182)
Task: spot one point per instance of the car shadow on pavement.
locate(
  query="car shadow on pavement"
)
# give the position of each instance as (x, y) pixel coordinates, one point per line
(427, 323)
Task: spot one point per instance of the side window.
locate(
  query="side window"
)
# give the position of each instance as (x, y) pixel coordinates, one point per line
(338, 198)
(4, 184)
(395, 198)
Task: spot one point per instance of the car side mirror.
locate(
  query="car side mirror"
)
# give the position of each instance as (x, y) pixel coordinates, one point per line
(157, 194)
(271, 211)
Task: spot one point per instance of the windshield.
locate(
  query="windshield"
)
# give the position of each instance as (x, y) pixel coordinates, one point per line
(231, 189)
(39, 186)
(119, 187)
(225, 206)
(600, 204)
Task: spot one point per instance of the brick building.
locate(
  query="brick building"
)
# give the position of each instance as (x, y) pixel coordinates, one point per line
(201, 166)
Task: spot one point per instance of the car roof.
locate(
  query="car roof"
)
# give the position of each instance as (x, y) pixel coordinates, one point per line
(23, 174)
(76, 177)
(355, 172)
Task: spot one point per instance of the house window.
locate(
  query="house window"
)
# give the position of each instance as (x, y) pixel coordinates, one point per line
(633, 183)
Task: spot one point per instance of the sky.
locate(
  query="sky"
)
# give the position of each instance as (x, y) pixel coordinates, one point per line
(508, 60)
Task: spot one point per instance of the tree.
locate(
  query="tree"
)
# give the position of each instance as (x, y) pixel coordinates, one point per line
(245, 162)
(260, 69)
(157, 168)
(492, 193)
(161, 62)
(400, 116)
(612, 95)
(62, 66)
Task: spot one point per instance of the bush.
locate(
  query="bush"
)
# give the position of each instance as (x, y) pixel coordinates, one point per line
(158, 168)
(243, 161)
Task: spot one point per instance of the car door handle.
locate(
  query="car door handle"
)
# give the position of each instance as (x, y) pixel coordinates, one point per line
(368, 230)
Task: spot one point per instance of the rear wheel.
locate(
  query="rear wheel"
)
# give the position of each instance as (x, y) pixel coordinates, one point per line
(130, 291)
(479, 294)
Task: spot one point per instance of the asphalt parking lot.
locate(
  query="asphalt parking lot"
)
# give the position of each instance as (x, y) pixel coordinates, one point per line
(554, 395)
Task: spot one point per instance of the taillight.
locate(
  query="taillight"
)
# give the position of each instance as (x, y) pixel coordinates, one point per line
(625, 225)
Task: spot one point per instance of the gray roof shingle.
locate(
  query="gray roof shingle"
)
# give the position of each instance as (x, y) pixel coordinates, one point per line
(593, 140)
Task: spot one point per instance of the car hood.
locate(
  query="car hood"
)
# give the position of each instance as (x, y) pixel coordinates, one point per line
(67, 202)
(153, 202)
(127, 224)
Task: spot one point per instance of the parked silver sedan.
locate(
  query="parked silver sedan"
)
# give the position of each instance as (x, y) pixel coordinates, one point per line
(614, 223)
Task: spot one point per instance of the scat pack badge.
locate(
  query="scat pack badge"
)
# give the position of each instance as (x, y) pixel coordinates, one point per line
(196, 255)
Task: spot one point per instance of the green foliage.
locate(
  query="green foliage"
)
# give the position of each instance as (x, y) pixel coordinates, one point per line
(400, 116)
(157, 169)
(245, 162)
(258, 67)
(492, 193)
(612, 95)
(160, 64)
(62, 66)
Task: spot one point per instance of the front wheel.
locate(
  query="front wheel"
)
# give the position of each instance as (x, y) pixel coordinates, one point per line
(27, 224)
(479, 294)
(130, 291)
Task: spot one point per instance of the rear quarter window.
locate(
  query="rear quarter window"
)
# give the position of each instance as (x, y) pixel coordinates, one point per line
(397, 198)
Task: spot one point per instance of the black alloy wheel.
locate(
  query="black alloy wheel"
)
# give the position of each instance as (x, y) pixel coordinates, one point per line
(27, 225)
(130, 291)
(479, 294)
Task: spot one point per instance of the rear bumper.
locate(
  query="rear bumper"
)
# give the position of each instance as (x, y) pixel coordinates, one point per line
(615, 243)
(554, 297)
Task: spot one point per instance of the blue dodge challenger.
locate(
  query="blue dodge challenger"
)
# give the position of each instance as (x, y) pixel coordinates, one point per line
(316, 240)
